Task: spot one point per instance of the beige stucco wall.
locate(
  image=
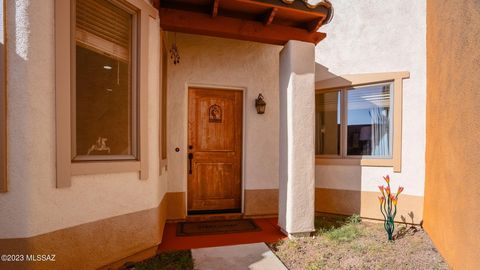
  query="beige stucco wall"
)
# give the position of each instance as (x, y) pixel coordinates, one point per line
(215, 62)
(453, 129)
(297, 144)
(33, 205)
(370, 37)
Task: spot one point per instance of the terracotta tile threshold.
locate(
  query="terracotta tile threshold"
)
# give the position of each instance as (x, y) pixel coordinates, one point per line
(270, 232)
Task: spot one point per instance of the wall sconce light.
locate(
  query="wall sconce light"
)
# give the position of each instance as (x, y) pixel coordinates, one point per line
(260, 104)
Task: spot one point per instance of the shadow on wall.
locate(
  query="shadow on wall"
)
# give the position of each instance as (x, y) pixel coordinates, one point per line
(18, 99)
(346, 200)
(322, 73)
(337, 187)
(411, 219)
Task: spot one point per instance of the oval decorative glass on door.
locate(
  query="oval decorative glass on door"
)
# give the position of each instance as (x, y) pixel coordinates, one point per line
(215, 114)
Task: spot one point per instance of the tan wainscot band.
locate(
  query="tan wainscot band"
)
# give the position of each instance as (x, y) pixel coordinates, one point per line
(85, 245)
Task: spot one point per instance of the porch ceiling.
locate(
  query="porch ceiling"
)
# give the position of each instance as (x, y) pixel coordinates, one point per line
(265, 21)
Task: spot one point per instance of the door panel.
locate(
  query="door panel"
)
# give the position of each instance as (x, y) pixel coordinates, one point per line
(215, 135)
(215, 146)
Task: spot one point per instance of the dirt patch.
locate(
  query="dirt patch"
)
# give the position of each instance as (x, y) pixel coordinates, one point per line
(348, 243)
(178, 260)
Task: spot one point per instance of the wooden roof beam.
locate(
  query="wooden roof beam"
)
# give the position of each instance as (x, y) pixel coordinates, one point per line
(314, 25)
(270, 16)
(215, 8)
(227, 27)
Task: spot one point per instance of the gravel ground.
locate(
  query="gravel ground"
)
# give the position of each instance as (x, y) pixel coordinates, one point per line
(348, 243)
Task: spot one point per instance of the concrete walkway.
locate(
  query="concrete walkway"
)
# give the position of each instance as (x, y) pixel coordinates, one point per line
(240, 257)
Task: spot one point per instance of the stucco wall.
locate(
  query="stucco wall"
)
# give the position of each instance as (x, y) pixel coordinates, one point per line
(379, 36)
(453, 129)
(216, 62)
(33, 205)
(297, 145)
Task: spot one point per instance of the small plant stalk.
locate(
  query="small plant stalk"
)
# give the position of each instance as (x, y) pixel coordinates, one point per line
(388, 207)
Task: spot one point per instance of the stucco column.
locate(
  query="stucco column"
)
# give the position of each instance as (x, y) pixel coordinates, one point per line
(297, 151)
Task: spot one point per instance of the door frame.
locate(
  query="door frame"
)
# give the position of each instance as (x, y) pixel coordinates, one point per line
(226, 88)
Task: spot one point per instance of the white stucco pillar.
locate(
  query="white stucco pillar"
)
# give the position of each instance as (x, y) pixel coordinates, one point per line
(297, 151)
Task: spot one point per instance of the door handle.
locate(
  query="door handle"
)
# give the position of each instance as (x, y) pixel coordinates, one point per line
(190, 157)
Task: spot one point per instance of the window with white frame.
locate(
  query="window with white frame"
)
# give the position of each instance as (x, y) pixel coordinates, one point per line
(355, 122)
(105, 91)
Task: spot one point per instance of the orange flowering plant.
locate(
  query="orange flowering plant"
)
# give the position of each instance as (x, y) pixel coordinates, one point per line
(388, 206)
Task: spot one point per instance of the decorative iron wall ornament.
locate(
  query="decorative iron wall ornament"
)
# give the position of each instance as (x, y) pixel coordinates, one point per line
(174, 54)
(215, 114)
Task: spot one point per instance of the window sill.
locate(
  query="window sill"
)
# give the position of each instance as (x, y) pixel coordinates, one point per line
(355, 162)
(83, 168)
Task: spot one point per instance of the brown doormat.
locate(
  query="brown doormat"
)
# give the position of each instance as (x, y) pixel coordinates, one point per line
(216, 227)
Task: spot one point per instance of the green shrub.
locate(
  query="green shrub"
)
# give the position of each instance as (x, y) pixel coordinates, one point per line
(346, 233)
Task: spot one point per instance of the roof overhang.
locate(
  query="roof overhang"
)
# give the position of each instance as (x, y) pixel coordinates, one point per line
(265, 21)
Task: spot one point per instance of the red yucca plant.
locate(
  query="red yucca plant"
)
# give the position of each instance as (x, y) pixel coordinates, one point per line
(388, 206)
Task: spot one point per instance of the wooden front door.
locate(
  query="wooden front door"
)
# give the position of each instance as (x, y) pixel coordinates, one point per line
(215, 120)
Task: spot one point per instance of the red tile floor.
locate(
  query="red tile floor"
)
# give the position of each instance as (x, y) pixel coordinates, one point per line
(270, 232)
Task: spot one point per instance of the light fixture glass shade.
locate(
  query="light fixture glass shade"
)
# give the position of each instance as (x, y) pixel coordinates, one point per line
(260, 104)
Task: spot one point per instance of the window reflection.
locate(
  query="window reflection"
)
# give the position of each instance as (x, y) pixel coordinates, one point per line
(105, 110)
(369, 118)
(327, 123)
